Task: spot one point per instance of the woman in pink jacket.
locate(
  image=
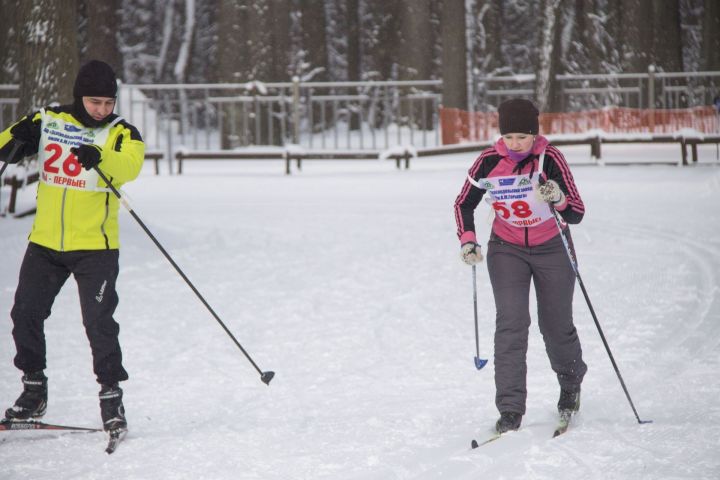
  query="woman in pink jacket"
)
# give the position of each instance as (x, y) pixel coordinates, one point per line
(524, 178)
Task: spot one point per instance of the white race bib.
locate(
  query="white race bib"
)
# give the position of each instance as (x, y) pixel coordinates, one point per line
(514, 200)
(57, 164)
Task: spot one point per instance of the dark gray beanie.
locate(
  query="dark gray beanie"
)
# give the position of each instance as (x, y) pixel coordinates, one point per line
(518, 115)
(95, 79)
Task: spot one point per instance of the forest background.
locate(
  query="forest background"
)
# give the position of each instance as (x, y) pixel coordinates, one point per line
(456, 41)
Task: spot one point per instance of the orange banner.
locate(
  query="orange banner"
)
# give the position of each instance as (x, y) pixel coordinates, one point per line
(458, 126)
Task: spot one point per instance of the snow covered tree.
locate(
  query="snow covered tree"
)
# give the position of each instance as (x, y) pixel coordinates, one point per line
(48, 52)
(9, 42)
(710, 50)
(98, 39)
(548, 59)
(454, 54)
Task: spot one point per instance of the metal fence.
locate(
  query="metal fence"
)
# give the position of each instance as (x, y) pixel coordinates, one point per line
(358, 115)
(665, 90)
(318, 115)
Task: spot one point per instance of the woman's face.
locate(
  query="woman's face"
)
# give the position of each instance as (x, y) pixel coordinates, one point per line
(518, 142)
(98, 107)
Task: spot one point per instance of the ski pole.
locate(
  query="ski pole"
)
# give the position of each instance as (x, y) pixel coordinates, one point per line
(479, 362)
(16, 147)
(573, 262)
(264, 376)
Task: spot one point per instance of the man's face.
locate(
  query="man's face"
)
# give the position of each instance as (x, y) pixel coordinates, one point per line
(98, 107)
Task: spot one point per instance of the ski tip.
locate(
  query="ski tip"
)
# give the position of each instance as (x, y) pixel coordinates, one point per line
(480, 362)
(266, 377)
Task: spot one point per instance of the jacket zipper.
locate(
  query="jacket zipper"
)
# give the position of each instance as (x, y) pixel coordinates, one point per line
(62, 221)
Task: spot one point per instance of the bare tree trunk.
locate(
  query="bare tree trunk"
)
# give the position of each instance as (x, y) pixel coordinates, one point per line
(486, 47)
(354, 58)
(165, 38)
(381, 19)
(666, 46)
(710, 50)
(636, 35)
(454, 55)
(414, 54)
(183, 60)
(280, 25)
(9, 42)
(545, 86)
(48, 53)
(314, 42)
(101, 42)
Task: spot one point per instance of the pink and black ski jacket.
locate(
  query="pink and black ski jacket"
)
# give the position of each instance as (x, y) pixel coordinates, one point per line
(495, 162)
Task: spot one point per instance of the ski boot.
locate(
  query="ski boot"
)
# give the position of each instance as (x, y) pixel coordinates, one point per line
(508, 421)
(32, 402)
(569, 402)
(111, 408)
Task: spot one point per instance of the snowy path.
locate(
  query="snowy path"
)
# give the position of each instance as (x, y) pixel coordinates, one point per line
(345, 280)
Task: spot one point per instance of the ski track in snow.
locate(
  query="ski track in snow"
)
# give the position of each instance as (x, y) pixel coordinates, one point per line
(362, 308)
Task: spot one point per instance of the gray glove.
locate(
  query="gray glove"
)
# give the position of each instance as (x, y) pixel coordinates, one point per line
(550, 192)
(470, 253)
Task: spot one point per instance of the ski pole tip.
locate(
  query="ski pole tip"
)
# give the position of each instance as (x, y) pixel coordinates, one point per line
(266, 377)
(480, 362)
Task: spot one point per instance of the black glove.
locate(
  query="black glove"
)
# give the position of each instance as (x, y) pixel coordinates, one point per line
(13, 151)
(88, 155)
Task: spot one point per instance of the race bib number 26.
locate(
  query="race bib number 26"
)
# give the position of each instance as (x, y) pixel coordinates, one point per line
(54, 162)
(62, 169)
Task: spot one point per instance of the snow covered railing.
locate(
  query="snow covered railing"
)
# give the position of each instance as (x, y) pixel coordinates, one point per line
(155, 157)
(16, 182)
(403, 154)
(595, 139)
(684, 139)
(290, 153)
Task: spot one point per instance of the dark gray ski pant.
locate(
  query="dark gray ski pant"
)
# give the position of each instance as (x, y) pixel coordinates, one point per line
(42, 275)
(511, 268)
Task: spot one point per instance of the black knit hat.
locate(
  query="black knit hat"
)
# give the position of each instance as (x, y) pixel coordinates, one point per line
(95, 79)
(518, 115)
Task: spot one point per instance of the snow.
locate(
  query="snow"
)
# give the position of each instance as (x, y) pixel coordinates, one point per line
(345, 280)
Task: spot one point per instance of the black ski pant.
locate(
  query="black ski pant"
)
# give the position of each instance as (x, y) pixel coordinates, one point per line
(42, 274)
(511, 269)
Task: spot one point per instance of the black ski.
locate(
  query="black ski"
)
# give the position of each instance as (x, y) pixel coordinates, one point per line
(6, 424)
(116, 436)
(475, 444)
(563, 422)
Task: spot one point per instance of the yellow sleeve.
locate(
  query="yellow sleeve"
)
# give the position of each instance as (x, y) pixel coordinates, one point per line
(123, 156)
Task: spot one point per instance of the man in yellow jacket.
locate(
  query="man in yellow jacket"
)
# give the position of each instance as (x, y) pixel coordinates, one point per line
(75, 232)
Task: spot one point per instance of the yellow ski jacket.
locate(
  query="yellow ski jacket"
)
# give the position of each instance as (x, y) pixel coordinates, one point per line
(75, 209)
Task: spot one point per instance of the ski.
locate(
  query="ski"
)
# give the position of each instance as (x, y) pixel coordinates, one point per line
(563, 423)
(116, 436)
(6, 424)
(474, 443)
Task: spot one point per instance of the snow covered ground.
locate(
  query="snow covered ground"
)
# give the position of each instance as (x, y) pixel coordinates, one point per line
(345, 280)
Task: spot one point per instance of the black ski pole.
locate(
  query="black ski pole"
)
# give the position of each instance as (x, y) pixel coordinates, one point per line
(16, 147)
(479, 362)
(592, 312)
(264, 376)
